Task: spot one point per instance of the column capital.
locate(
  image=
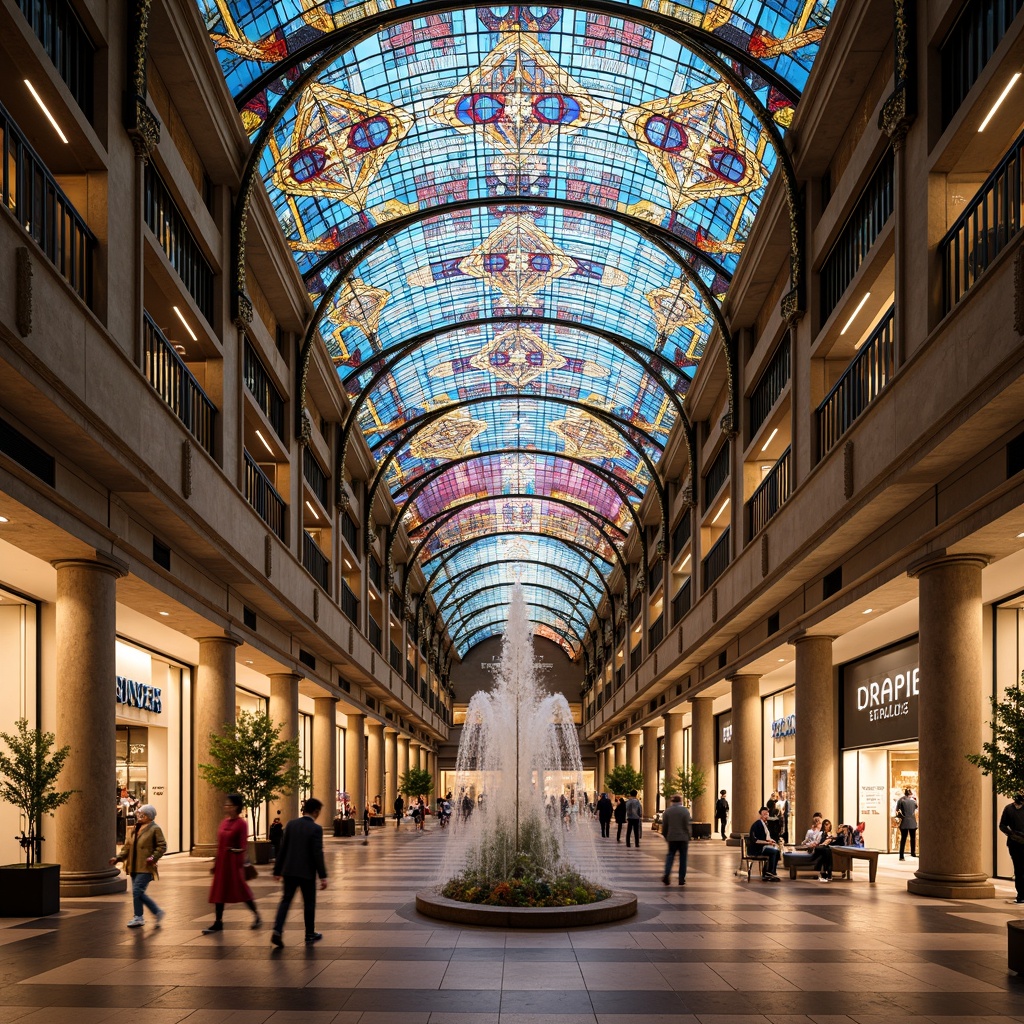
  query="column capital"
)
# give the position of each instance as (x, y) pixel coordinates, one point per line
(298, 677)
(103, 562)
(224, 638)
(939, 560)
(802, 636)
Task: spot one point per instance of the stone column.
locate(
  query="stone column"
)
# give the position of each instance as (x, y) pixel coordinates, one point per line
(86, 624)
(633, 750)
(390, 770)
(702, 736)
(673, 742)
(817, 748)
(403, 762)
(213, 708)
(619, 747)
(325, 757)
(284, 713)
(650, 770)
(415, 754)
(374, 760)
(746, 751)
(355, 763)
(950, 727)
(605, 762)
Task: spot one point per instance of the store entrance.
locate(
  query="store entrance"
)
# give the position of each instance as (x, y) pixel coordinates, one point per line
(132, 774)
(874, 779)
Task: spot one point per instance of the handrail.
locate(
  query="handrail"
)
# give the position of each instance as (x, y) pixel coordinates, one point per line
(991, 220)
(263, 389)
(769, 386)
(656, 633)
(349, 530)
(349, 603)
(262, 495)
(40, 206)
(67, 44)
(681, 602)
(174, 382)
(681, 534)
(317, 564)
(771, 494)
(716, 476)
(376, 634)
(314, 475)
(717, 559)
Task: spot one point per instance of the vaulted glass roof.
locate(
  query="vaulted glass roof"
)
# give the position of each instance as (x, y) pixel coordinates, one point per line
(516, 225)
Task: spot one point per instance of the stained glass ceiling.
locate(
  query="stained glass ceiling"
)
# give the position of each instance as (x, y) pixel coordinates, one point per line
(516, 225)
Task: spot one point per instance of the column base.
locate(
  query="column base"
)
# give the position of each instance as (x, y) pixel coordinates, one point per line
(952, 887)
(91, 883)
(203, 850)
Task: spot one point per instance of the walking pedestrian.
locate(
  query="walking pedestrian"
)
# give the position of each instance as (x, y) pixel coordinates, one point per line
(275, 832)
(399, 810)
(721, 812)
(299, 863)
(143, 846)
(634, 814)
(906, 811)
(604, 815)
(675, 827)
(1011, 824)
(620, 818)
(229, 884)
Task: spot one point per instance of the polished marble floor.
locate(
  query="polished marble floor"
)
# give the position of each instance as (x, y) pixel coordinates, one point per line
(719, 951)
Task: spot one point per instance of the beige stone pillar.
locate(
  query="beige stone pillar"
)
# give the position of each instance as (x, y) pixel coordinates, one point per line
(620, 752)
(702, 738)
(325, 757)
(633, 750)
(403, 762)
(355, 763)
(673, 742)
(817, 748)
(746, 752)
(650, 770)
(950, 727)
(284, 713)
(603, 759)
(213, 708)
(374, 761)
(390, 770)
(86, 626)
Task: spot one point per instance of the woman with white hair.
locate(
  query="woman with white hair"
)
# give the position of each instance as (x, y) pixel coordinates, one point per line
(143, 847)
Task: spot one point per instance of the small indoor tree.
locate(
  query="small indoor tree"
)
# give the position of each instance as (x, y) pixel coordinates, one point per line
(623, 778)
(1002, 757)
(251, 759)
(416, 782)
(690, 782)
(28, 780)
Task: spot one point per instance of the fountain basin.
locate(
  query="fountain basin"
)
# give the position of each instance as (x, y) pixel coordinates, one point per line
(617, 907)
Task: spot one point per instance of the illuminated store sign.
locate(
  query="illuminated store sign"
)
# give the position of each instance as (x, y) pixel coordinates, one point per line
(139, 695)
(783, 727)
(880, 697)
(723, 737)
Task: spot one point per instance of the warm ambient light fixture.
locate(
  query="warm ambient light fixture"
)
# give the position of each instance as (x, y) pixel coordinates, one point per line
(165, 614)
(316, 515)
(687, 559)
(867, 611)
(191, 333)
(53, 120)
(984, 124)
(4, 519)
(264, 440)
(853, 315)
(771, 437)
(718, 514)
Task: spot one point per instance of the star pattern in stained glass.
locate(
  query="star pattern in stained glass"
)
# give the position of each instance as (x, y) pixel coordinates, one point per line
(449, 437)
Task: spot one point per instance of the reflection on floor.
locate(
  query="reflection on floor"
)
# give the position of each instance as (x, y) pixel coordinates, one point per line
(719, 951)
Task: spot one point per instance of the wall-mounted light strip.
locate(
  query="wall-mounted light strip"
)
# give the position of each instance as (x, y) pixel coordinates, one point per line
(264, 440)
(984, 124)
(316, 515)
(49, 117)
(685, 562)
(191, 333)
(771, 437)
(718, 514)
(853, 315)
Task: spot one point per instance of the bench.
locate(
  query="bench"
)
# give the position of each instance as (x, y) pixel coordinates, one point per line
(845, 856)
(748, 859)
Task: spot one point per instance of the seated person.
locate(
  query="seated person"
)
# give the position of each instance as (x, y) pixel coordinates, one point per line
(759, 841)
(823, 851)
(813, 835)
(858, 835)
(376, 807)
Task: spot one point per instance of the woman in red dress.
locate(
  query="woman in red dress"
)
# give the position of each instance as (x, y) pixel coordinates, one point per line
(229, 885)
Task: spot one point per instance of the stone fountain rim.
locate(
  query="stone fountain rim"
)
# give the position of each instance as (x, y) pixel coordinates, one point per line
(616, 907)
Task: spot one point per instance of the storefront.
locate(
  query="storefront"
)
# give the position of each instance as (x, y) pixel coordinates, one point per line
(878, 730)
(723, 755)
(779, 716)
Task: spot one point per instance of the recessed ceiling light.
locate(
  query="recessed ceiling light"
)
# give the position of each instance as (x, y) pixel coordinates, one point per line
(64, 138)
(782, 659)
(165, 614)
(718, 514)
(248, 661)
(867, 611)
(853, 315)
(984, 124)
(1019, 535)
(264, 440)
(4, 519)
(181, 317)
(771, 437)
(316, 515)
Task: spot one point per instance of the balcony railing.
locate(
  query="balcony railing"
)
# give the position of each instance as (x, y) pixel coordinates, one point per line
(769, 387)
(981, 27)
(376, 575)
(680, 535)
(66, 43)
(315, 476)
(656, 633)
(178, 242)
(349, 603)
(38, 203)
(410, 673)
(770, 496)
(657, 571)
(317, 564)
(175, 384)
(620, 676)
(715, 477)
(859, 386)
(717, 560)
(349, 530)
(376, 636)
(396, 657)
(262, 388)
(636, 656)
(988, 225)
(636, 604)
(260, 493)
(681, 603)
(858, 235)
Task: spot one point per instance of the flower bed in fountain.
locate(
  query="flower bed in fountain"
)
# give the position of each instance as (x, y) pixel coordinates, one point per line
(568, 889)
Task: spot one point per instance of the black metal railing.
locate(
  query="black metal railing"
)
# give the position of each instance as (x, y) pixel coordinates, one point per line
(865, 224)
(716, 560)
(862, 382)
(261, 494)
(174, 383)
(376, 574)
(656, 573)
(39, 204)
(396, 657)
(714, 479)
(620, 676)
(680, 535)
(177, 241)
(969, 46)
(349, 603)
(410, 673)
(376, 636)
(769, 386)
(636, 656)
(636, 604)
(315, 476)
(317, 564)
(681, 603)
(770, 495)
(66, 43)
(262, 388)
(656, 633)
(990, 222)
(349, 530)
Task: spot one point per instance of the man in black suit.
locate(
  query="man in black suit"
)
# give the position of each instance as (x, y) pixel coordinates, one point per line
(300, 859)
(760, 841)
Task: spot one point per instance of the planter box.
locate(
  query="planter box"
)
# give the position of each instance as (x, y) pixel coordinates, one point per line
(29, 892)
(260, 851)
(1015, 946)
(700, 829)
(377, 819)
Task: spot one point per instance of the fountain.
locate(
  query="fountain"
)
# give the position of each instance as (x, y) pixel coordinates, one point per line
(520, 848)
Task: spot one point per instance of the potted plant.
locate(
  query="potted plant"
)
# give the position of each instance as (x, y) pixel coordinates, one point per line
(415, 782)
(28, 781)
(623, 779)
(690, 782)
(251, 759)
